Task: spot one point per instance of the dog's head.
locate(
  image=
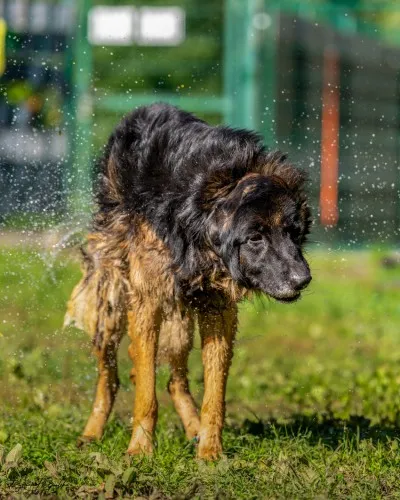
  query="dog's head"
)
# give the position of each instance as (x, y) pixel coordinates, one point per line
(258, 225)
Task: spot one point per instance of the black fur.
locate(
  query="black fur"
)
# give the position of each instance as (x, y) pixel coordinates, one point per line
(186, 178)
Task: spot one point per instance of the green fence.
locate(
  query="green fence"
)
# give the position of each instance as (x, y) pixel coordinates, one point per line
(368, 87)
(256, 64)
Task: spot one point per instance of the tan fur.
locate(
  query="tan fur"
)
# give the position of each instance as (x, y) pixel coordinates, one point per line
(176, 342)
(128, 285)
(144, 327)
(109, 296)
(217, 330)
(276, 220)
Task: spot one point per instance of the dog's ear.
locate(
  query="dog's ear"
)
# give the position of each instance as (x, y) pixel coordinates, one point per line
(275, 164)
(217, 185)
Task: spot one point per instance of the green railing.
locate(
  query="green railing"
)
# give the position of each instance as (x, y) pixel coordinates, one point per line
(257, 64)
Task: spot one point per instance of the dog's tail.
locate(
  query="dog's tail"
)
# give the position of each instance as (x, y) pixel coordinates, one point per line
(98, 303)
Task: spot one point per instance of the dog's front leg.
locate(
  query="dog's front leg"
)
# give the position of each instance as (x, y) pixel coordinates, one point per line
(144, 326)
(217, 330)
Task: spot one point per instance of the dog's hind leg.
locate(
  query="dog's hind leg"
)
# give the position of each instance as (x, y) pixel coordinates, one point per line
(106, 390)
(176, 340)
(98, 306)
(217, 330)
(110, 326)
(144, 321)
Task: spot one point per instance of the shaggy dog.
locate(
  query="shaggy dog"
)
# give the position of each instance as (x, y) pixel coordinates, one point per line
(191, 219)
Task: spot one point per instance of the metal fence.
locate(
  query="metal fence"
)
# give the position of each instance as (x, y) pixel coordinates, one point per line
(309, 80)
(367, 108)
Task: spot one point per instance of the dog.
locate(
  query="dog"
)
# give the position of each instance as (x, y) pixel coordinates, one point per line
(191, 219)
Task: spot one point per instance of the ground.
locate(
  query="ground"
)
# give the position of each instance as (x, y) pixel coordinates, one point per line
(313, 400)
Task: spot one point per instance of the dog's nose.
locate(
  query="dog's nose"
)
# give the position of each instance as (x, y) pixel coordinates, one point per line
(302, 281)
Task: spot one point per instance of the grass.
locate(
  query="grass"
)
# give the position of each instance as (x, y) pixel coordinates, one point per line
(313, 400)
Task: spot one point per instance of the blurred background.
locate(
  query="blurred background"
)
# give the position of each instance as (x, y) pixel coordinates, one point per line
(313, 407)
(318, 79)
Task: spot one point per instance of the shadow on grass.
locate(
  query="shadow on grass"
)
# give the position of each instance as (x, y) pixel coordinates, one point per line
(327, 430)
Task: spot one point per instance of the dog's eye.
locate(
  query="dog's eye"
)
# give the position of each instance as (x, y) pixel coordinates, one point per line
(255, 238)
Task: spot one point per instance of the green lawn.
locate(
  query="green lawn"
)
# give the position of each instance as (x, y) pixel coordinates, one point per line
(313, 400)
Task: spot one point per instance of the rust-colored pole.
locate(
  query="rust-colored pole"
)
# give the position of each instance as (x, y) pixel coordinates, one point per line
(330, 139)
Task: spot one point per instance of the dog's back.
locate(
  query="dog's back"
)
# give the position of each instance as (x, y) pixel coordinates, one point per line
(143, 157)
(158, 154)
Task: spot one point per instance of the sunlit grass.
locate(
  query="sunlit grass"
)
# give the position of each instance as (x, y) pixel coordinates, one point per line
(313, 397)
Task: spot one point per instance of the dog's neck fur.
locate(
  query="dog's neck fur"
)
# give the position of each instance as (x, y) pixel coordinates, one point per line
(135, 236)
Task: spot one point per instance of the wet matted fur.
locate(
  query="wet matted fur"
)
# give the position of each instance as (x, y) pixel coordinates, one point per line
(191, 218)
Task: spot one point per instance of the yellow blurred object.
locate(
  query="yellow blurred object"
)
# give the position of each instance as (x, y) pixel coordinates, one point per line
(3, 31)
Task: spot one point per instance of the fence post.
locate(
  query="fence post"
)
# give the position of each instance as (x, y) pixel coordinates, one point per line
(80, 192)
(239, 63)
(250, 66)
(3, 33)
(266, 23)
(229, 87)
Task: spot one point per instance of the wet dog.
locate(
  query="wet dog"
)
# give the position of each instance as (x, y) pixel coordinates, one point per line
(191, 219)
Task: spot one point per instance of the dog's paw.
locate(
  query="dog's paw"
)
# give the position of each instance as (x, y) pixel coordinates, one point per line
(209, 453)
(141, 443)
(192, 430)
(84, 441)
(210, 445)
(140, 449)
